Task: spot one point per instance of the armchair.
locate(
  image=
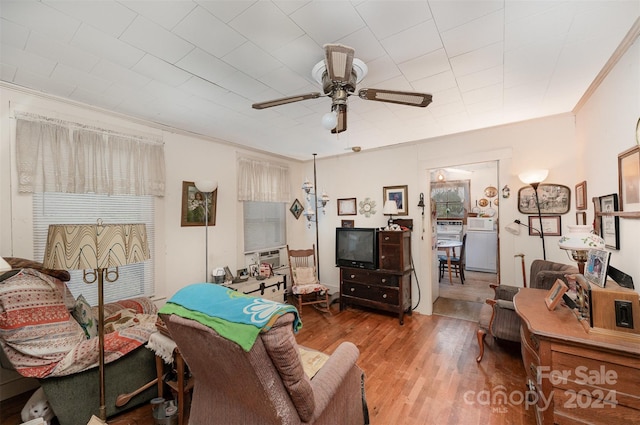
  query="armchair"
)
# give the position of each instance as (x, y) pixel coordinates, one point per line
(498, 316)
(264, 383)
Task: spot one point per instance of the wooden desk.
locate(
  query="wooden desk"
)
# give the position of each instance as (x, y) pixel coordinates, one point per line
(448, 246)
(576, 377)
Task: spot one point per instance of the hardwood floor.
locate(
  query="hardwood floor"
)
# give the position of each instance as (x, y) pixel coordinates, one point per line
(421, 373)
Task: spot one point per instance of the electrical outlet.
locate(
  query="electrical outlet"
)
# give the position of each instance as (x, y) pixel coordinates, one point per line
(624, 314)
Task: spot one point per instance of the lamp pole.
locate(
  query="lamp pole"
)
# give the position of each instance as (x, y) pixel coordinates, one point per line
(535, 192)
(315, 185)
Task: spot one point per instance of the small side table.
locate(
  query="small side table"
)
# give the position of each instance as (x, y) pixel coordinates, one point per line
(181, 386)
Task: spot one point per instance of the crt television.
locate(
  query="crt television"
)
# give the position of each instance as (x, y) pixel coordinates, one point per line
(357, 247)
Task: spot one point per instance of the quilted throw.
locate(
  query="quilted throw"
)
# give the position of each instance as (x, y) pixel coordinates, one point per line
(41, 338)
(233, 315)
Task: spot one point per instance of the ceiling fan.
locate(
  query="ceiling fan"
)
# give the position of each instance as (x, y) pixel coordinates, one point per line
(338, 75)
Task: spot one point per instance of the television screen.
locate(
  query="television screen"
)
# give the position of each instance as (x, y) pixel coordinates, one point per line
(357, 247)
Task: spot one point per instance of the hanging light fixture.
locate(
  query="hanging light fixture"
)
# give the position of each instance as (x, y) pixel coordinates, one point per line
(441, 175)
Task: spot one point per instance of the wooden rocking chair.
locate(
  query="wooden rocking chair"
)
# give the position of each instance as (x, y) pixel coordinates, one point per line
(306, 288)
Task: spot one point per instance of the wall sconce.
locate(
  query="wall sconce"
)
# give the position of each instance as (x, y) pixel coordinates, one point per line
(390, 208)
(534, 178)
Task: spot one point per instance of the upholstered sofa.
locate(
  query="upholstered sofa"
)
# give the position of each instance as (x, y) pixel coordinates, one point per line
(47, 334)
(498, 316)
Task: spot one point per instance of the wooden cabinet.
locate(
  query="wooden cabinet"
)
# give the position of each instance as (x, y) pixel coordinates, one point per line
(389, 287)
(576, 377)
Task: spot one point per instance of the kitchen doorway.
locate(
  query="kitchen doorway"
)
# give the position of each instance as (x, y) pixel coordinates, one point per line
(468, 205)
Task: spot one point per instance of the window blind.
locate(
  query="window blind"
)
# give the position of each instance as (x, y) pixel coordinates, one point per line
(72, 208)
(264, 225)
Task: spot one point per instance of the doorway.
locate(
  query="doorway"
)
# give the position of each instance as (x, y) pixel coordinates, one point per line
(475, 186)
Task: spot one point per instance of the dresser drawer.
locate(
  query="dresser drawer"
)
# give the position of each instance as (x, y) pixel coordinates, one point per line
(394, 238)
(374, 293)
(369, 277)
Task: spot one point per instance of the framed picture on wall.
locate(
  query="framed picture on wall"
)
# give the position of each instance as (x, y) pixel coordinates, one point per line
(347, 206)
(553, 199)
(194, 203)
(581, 218)
(398, 194)
(629, 179)
(610, 225)
(550, 225)
(581, 196)
(348, 223)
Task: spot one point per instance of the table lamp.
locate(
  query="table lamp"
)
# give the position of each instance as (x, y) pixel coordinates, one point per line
(578, 242)
(390, 208)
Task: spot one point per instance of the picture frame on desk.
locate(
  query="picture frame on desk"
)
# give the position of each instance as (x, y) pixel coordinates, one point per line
(595, 271)
(555, 294)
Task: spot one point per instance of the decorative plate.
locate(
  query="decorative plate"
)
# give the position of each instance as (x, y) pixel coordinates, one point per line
(490, 192)
(489, 212)
(495, 202)
(367, 207)
(483, 202)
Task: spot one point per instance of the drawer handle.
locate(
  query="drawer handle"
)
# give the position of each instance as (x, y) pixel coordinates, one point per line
(382, 257)
(384, 295)
(386, 238)
(353, 276)
(353, 289)
(534, 341)
(383, 280)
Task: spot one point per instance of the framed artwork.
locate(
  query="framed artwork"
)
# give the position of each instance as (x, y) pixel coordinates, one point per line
(347, 206)
(555, 294)
(629, 179)
(550, 225)
(581, 218)
(194, 203)
(296, 209)
(348, 223)
(553, 198)
(399, 195)
(610, 225)
(581, 196)
(595, 271)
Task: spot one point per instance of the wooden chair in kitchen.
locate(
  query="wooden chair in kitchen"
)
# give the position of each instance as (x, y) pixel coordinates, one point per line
(306, 288)
(457, 262)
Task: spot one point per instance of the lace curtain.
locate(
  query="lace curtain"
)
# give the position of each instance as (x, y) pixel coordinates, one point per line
(262, 181)
(60, 156)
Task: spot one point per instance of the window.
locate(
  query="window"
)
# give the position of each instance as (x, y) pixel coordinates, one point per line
(71, 208)
(451, 198)
(264, 225)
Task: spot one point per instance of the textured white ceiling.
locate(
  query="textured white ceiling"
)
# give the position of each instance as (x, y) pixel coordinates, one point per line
(199, 65)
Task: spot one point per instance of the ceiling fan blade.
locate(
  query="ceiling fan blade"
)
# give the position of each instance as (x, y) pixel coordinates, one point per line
(339, 60)
(342, 120)
(285, 100)
(399, 97)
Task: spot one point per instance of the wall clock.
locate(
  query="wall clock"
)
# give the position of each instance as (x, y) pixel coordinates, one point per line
(367, 207)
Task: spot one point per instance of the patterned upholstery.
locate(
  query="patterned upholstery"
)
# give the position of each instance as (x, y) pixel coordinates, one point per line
(306, 288)
(498, 316)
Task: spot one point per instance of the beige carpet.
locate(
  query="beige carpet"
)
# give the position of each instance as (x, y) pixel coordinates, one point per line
(464, 301)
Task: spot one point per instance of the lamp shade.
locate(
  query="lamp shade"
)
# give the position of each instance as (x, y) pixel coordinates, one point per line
(390, 208)
(95, 246)
(206, 186)
(580, 238)
(533, 176)
(4, 266)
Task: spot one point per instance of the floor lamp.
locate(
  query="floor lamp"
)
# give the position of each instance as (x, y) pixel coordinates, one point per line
(96, 249)
(207, 187)
(534, 178)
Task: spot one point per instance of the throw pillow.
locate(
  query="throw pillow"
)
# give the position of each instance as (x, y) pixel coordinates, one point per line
(305, 275)
(84, 316)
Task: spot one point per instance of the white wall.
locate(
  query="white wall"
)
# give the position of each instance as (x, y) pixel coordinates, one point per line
(605, 127)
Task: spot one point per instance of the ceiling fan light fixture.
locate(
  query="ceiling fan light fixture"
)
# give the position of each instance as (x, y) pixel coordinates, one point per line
(330, 120)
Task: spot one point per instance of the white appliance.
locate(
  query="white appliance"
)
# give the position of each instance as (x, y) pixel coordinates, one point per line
(449, 230)
(482, 245)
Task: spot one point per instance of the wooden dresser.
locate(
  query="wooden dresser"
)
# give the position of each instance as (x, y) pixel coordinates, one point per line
(387, 288)
(576, 377)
